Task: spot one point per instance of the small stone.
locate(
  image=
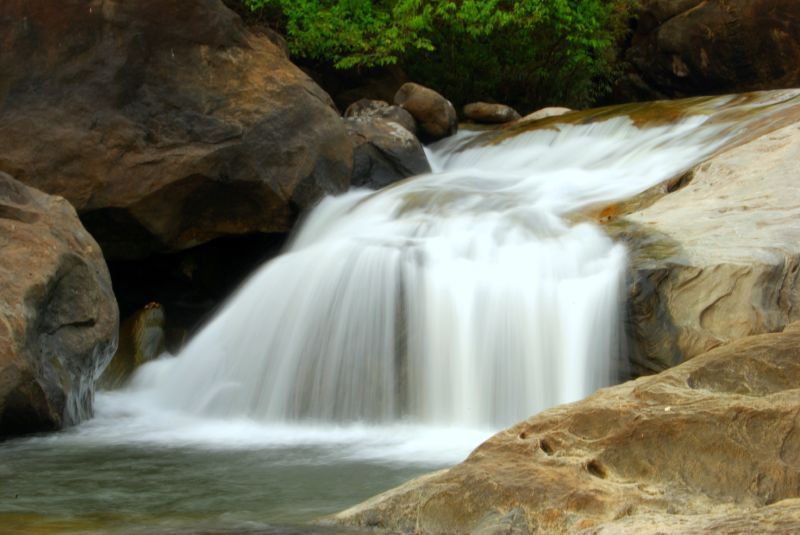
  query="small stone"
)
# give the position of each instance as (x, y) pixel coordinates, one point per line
(484, 112)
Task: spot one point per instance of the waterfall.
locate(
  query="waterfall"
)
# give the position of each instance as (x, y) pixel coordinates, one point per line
(467, 296)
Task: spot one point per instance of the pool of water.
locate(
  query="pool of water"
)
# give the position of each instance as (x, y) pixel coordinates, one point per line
(138, 471)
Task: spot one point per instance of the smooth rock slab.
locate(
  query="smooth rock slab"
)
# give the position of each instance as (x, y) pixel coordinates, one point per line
(734, 265)
(58, 315)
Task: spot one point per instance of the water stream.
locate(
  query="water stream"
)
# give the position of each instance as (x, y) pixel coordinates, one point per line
(461, 298)
(398, 330)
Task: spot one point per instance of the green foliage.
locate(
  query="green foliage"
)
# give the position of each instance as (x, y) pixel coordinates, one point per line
(528, 52)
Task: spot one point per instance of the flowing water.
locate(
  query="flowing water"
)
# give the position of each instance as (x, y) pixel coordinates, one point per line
(398, 330)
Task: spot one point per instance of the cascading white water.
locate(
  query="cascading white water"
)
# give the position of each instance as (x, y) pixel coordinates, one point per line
(399, 330)
(463, 297)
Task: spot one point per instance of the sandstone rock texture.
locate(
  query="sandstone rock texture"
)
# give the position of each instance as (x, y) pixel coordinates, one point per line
(434, 114)
(713, 444)
(485, 112)
(719, 257)
(58, 316)
(691, 47)
(165, 123)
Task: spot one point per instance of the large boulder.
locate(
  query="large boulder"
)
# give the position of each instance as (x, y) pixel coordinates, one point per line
(709, 445)
(166, 123)
(690, 47)
(385, 152)
(435, 115)
(58, 316)
(718, 257)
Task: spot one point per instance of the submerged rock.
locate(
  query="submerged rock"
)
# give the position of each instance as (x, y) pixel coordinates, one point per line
(693, 47)
(385, 152)
(710, 443)
(165, 123)
(58, 316)
(141, 339)
(484, 112)
(435, 114)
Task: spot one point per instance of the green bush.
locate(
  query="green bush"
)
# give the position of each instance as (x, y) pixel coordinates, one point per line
(528, 52)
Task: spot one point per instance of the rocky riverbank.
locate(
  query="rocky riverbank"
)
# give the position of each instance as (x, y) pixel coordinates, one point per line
(706, 445)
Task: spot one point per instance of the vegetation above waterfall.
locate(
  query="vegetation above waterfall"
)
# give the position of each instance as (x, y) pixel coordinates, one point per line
(529, 52)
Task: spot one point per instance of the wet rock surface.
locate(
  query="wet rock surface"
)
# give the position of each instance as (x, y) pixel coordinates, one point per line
(58, 315)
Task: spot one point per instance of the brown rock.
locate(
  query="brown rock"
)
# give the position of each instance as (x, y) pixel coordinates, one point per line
(708, 444)
(366, 108)
(58, 316)
(435, 115)
(141, 339)
(164, 122)
(690, 47)
(384, 153)
(484, 112)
